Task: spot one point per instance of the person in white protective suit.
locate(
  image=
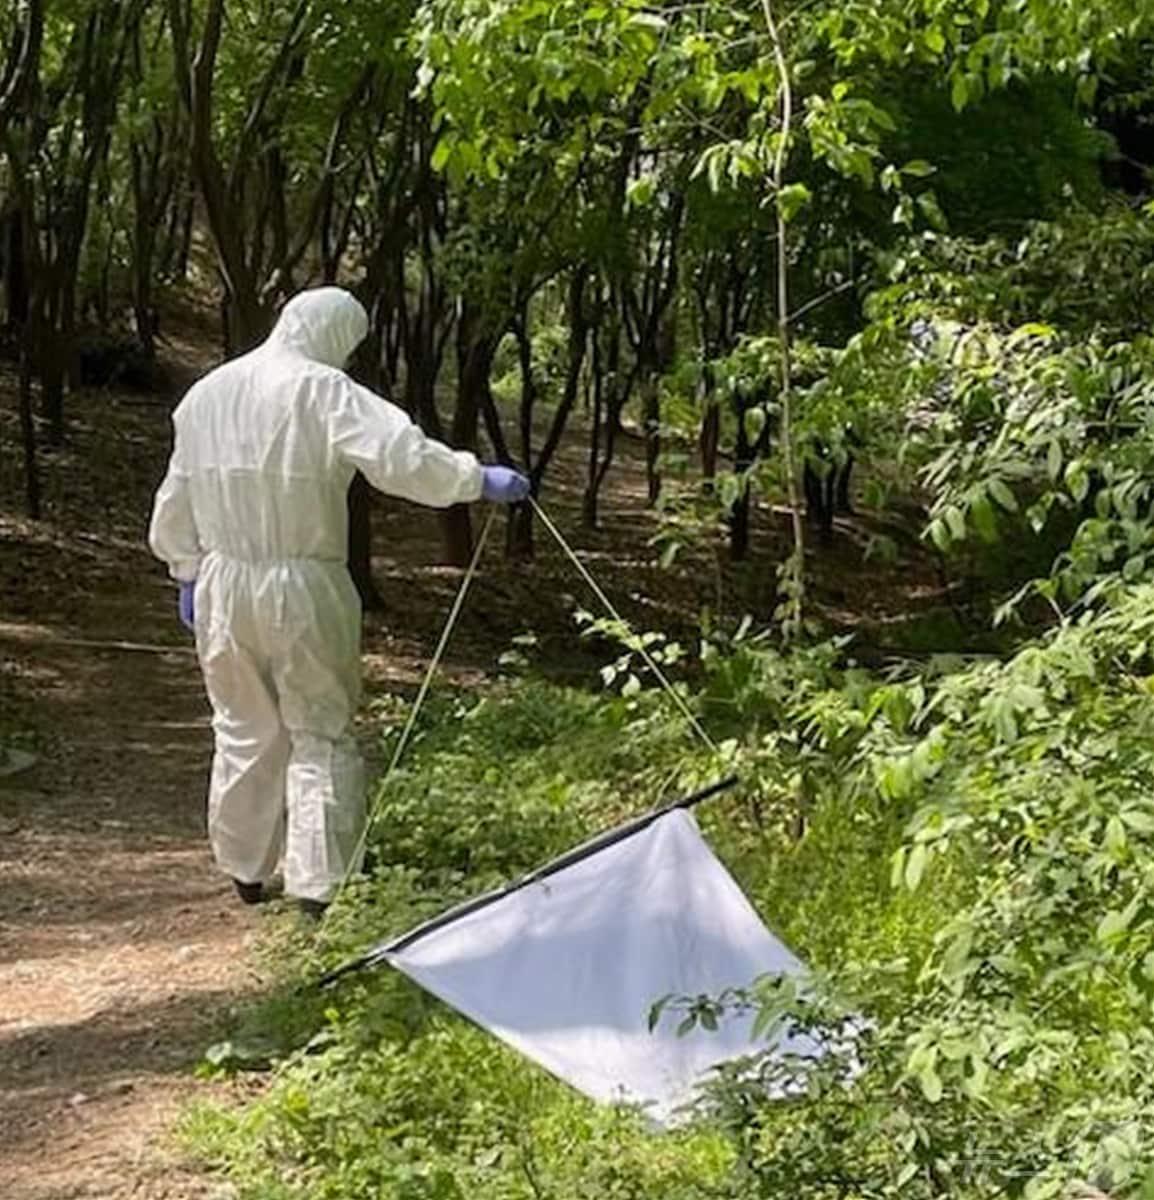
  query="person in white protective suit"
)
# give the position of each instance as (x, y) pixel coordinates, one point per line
(251, 520)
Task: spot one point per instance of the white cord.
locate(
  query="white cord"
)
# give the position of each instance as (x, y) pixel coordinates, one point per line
(599, 592)
(414, 712)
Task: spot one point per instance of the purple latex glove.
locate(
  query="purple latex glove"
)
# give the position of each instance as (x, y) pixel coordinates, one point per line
(503, 485)
(187, 615)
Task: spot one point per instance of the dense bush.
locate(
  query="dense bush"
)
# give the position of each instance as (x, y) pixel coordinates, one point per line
(963, 854)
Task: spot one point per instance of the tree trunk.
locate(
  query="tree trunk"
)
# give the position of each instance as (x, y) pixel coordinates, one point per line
(651, 407)
(70, 364)
(28, 428)
(709, 441)
(746, 455)
(475, 349)
(739, 514)
(16, 293)
(578, 320)
(360, 555)
(528, 386)
(247, 322)
(457, 535)
(619, 395)
(520, 531)
(178, 234)
(519, 544)
(370, 362)
(589, 499)
(842, 501)
(148, 202)
(739, 526)
(103, 297)
(492, 419)
(52, 358)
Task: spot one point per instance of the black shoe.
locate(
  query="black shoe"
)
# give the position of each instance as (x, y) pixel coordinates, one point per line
(250, 893)
(313, 909)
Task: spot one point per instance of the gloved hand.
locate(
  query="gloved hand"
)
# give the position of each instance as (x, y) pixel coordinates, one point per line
(503, 485)
(187, 615)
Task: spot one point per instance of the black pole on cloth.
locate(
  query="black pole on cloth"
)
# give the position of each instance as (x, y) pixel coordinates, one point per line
(601, 842)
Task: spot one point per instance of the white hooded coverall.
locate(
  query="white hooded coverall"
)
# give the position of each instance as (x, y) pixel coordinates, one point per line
(253, 508)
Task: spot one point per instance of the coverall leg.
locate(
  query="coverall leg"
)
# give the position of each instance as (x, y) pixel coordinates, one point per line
(246, 801)
(317, 674)
(279, 647)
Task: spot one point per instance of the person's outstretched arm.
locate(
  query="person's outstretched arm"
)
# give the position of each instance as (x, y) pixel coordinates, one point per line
(397, 457)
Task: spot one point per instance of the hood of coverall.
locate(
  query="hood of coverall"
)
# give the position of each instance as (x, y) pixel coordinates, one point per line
(322, 324)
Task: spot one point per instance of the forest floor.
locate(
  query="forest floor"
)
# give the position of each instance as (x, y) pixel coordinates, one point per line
(122, 952)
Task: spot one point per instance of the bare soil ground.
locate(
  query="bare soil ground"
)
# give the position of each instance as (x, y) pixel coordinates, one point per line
(122, 952)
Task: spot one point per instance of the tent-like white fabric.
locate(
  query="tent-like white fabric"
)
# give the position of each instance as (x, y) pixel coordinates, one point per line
(567, 968)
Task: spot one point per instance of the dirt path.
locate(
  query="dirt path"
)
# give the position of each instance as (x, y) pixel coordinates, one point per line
(120, 948)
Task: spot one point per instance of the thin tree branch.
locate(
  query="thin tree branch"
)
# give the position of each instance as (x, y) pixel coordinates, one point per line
(794, 602)
(824, 298)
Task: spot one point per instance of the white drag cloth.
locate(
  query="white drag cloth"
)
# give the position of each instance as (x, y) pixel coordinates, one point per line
(568, 968)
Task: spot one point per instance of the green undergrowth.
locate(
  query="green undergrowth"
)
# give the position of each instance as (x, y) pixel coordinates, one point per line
(381, 1090)
(962, 851)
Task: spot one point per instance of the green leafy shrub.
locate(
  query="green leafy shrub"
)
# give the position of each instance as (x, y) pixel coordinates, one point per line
(963, 852)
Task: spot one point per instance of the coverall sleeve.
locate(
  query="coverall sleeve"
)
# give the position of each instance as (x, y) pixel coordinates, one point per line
(172, 532)
(395, 455)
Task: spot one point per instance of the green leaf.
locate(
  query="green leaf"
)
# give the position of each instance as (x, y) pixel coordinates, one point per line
(959, 92)
(441, 154)
(792, 199)
(1146, 1191)
(1139, 821)
(956, 959)
(1005, 719)
(932, 211)
(919, 169)
(640, 192)
(1077, 481)
(935, 41)
(1003, 495)
(657, 1009)
(916, 866)
(1114, 924)
(649, 20)
(956, 520)
(985, 521)
(754, 421)
(931, 1084)
(1054, 460)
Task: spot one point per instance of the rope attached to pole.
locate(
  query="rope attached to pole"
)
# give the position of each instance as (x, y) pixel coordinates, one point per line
(599, 592)
(447, 632)
(422, 693)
